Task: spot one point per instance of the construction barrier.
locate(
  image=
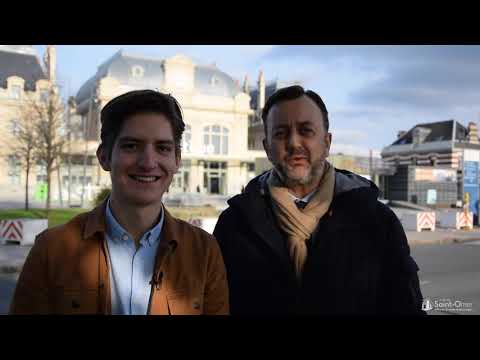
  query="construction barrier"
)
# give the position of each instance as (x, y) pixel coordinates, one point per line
(456, 219)
(422, 220)
(207, 224)
(22, 231)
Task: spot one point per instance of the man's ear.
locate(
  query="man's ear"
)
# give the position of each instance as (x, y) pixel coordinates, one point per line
(266, 148)
(328, 143)
(103, 158)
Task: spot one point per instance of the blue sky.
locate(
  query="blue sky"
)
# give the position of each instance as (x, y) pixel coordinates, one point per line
(371, 92)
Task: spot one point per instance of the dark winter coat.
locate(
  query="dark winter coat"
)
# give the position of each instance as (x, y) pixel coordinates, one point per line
(358, 257)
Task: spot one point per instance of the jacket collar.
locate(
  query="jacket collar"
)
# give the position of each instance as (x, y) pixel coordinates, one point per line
(96, 221)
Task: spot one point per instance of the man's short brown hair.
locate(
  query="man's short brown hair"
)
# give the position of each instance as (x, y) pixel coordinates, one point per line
(117, 110)
(291, 93)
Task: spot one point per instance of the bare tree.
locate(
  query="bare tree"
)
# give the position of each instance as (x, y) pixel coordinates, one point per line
(70, 129)
(48, 113)
(24, 145)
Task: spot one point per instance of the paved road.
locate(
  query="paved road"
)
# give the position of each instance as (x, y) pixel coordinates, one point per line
(450, 274)
(7, 286)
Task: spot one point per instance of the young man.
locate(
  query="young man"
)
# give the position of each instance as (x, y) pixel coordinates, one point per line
(305, 238)
(129, 255)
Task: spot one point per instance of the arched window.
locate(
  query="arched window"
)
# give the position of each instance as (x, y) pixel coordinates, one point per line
(215, 140)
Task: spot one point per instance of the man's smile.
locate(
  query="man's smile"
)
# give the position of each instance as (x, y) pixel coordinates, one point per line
(144, 179)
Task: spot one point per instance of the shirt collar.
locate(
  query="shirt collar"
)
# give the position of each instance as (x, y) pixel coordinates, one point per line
(306, 198)
(117, 233)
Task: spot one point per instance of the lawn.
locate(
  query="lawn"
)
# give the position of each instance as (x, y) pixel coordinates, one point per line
(56, 217)
(61, 216)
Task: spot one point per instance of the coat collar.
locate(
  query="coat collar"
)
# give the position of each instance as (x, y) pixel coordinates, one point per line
(96, 221)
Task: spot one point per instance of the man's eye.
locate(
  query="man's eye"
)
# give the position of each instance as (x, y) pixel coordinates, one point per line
(279, 133)
(165, 148)
(306, 131)
(129, 146)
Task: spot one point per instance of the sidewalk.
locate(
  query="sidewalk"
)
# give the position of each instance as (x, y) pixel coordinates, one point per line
(442, 236)
(12, 257)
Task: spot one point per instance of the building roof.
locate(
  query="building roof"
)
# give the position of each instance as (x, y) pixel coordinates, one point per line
(439, 131)
(438, 138)
(210, 80)
(21, 61)
(148, 73)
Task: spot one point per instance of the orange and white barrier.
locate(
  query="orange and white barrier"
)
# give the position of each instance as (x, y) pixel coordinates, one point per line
(422, 220)
(456, 219)
(22, 231)
(11, 230)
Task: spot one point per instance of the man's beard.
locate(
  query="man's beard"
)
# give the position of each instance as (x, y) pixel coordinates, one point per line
(288, 177)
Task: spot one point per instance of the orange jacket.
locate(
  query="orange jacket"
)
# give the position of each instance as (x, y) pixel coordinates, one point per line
(67, 272)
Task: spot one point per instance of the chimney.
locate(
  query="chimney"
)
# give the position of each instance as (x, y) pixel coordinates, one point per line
(246, 86)
(261, 91)
(50, 60)
(472, 135)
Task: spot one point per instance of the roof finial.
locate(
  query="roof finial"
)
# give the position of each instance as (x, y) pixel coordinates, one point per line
(246, 86)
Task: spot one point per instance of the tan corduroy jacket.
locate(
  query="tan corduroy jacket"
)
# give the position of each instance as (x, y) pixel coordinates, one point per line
(67, 272)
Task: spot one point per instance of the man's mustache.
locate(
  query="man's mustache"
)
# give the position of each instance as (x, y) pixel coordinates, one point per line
(297, 152)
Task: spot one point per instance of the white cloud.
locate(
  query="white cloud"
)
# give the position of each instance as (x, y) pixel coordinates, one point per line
(344, 136)
(350, 149)
(352, 142)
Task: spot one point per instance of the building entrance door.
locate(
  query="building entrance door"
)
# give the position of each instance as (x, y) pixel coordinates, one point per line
(214, 185)
(214, 177)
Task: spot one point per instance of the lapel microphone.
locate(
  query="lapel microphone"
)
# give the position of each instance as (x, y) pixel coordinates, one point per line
(158, 275)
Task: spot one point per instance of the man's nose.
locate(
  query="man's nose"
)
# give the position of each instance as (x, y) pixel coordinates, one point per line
(147, 158)
(294, 140)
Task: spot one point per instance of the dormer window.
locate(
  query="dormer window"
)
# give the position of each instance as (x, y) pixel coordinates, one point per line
(214, 81)
(15, 92)
(420, 134)
(137, 71)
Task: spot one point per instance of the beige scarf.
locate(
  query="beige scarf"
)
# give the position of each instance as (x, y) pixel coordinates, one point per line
(298, 224)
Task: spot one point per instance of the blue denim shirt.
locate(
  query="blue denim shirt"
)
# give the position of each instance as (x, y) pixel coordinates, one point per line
(131, 269)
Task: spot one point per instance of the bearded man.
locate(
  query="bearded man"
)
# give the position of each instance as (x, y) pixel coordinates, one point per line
(306, 238)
